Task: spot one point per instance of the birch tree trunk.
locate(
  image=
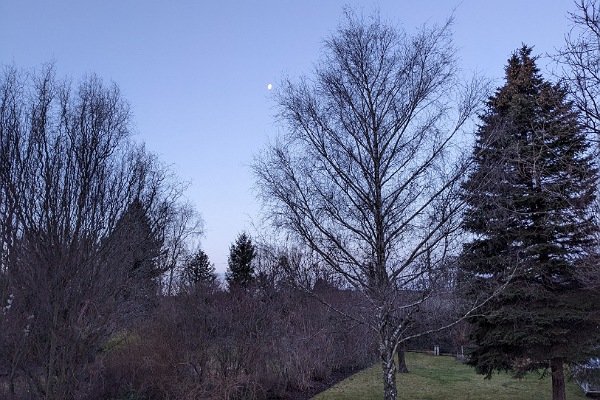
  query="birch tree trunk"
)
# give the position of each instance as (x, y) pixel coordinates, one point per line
(388, 365)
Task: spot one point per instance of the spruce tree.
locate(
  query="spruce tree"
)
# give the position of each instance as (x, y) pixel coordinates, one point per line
(136, 245)
(241, 255)
(528, 210)
(134, 249)
(199, 270)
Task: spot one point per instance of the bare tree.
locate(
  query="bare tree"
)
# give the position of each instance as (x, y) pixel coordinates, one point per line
(368, 173)
(580, 61)
(181, 235)
(68, 175)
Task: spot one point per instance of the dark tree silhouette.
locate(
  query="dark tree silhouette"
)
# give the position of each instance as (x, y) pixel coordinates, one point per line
(241, 255)
(199, 270)
(529, 199)
(136, 248)
(80, 205)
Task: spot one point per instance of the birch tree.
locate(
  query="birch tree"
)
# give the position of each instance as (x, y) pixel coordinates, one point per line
(368, 171)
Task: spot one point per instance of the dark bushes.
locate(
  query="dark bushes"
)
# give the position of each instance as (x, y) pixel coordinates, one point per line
(248, 344)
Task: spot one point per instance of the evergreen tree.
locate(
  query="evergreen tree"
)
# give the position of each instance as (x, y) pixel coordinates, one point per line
(199, 270)
(138, 245)
(528, 208)
(134, 248)
(241, 255)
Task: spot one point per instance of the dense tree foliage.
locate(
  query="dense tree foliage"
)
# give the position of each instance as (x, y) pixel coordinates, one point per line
(136, 247)
(529, 199)
(241, 256)
(199, 270)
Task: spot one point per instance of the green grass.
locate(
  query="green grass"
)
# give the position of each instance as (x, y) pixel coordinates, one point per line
(443, 378)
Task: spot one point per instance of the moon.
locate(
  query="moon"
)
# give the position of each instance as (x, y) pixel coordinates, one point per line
(269, 86)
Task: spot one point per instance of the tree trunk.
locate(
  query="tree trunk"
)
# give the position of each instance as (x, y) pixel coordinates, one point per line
(558, 379)
(389, 371)
(11, 384)
(402, 368)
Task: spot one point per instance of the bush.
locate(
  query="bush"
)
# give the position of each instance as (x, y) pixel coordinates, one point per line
(242, 345)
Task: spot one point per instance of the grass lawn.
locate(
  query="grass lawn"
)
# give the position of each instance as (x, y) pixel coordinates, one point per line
(443, 378)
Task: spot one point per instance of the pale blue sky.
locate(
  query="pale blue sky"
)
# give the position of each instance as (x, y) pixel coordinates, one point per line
(195, 72)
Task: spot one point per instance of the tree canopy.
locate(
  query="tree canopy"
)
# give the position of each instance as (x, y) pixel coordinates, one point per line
(367, 174)
(199, 270)
(529, 197)
(241, 255)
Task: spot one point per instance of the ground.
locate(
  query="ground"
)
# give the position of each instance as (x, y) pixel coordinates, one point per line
(444, 378)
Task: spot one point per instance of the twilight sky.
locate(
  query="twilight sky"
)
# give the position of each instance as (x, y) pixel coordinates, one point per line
(196, 72)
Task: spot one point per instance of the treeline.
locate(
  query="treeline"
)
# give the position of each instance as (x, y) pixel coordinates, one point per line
(89, 225)
(101, 293)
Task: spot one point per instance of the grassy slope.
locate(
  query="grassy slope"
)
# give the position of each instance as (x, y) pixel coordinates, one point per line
(443, 378)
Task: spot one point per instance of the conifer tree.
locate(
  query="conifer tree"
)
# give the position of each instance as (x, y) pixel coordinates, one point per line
(241, 255)
(528, 209)
(199, 270)
(136, 246)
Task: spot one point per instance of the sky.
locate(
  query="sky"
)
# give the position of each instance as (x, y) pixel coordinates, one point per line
(196, 72)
